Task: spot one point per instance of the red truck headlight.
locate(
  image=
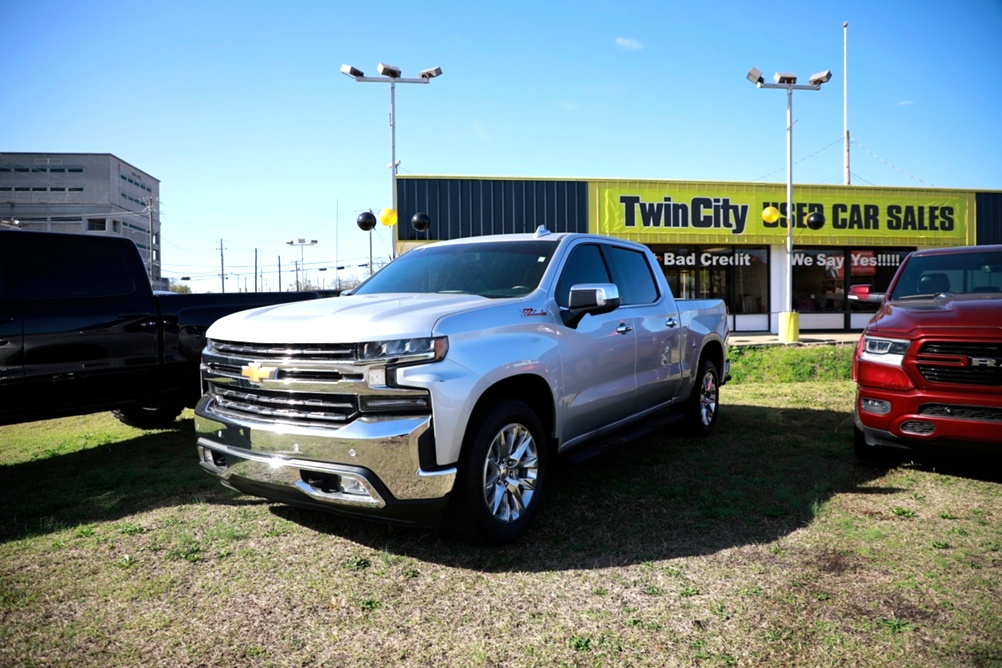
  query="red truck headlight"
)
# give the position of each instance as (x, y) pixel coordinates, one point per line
(881, 363)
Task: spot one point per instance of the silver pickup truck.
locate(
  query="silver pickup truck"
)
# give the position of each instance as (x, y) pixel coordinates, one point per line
(445, 385)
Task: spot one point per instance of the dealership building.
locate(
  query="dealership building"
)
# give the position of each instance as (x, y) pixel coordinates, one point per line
(712, 239)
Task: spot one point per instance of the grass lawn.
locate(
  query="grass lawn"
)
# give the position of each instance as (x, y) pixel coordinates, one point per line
(764, 545)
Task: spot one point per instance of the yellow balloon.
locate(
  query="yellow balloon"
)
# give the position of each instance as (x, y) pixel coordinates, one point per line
(770, 214)
(388, 217)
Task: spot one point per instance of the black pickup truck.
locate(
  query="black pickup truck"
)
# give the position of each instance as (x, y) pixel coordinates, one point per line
(81, 331)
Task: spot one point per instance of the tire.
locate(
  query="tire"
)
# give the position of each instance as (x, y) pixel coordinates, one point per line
(159, 416)
(701, 407)
(504, 470)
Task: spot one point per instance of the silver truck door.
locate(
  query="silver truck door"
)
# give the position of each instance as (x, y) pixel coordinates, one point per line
(598, 357)
(658, 328)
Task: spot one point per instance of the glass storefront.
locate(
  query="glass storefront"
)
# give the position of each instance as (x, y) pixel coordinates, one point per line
(737, 274)
(822, 277)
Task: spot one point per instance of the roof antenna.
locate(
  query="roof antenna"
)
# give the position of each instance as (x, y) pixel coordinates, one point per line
(541, 231)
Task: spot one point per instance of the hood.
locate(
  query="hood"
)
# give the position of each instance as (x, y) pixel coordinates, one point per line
(344, 319)
(965, 315)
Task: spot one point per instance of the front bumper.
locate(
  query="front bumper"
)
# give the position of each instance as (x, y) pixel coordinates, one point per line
(369, 467)
(925, 420)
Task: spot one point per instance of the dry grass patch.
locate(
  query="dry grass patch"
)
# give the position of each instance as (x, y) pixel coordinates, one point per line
(764, 545)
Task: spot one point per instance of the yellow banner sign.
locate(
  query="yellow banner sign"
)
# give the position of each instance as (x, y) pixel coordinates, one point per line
(739, 213)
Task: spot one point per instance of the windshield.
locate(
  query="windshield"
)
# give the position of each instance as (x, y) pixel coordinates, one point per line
(963, 273)
(490, 269)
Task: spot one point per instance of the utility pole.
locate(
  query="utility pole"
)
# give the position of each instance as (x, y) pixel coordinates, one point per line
(222, 268)
(255, 270)
(150, 253)
(279, 273)
(845, 96)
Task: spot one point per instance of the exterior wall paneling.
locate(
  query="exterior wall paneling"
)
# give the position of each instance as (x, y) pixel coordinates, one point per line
(472, 207)
(989, 217)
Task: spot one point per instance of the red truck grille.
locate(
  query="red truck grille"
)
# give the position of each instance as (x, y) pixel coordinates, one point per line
(978, 413)
(963, 363)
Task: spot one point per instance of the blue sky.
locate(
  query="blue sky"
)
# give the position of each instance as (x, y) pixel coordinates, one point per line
(240, 110)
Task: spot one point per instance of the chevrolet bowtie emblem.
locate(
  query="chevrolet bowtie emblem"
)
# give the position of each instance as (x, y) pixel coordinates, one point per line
(256, 373)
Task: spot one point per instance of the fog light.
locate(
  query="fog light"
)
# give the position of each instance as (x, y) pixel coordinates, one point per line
(875, 406)
(353, 486)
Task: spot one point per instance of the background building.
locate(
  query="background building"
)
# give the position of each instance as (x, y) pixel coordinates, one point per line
(83, 193)
(711, 237)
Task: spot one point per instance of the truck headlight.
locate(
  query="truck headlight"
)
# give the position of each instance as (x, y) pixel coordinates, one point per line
(404, 351)
(884, 351)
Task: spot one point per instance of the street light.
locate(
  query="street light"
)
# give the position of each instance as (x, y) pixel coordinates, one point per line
(789, 325)
(301, 243)
(392, 75)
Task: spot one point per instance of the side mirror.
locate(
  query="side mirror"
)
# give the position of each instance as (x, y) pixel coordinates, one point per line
(590, 299)
(862, 293)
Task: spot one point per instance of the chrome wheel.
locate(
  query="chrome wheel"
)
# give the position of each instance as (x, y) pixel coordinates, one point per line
(701, 407)
(709, 394)
(510, 471)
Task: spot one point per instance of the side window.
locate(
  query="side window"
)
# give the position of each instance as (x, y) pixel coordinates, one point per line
(73, 266)
(584, 265)
(636, 283)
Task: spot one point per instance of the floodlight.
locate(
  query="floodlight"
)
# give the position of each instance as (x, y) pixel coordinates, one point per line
(352, 72)
(820, 78)
(389, 71)
(430, 73)
(755, 76)
(784, 78)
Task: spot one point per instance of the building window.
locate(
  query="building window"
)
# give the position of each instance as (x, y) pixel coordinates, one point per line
(821, 277)
(96, 225)
(737, 274)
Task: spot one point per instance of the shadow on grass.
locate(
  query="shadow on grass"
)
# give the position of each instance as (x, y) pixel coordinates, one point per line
(763, 474)
(103, 483)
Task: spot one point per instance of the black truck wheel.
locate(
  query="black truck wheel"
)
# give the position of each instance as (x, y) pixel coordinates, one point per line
(158, 416)
(701, 407)
(504, 469)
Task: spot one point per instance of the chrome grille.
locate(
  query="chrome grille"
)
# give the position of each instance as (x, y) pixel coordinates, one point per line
(306, 385)
(346, 352)
(333, 409)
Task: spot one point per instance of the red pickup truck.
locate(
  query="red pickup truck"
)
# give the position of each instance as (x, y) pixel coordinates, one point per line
(928, 367)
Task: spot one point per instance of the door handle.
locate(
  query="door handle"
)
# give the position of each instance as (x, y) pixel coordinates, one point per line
(623, 328)
(672, 323)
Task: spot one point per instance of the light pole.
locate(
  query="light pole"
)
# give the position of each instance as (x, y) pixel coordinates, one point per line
(391, 75)
(301, 243)
(789, 325)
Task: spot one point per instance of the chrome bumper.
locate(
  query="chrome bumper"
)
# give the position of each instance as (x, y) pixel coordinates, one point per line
(366, 464)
